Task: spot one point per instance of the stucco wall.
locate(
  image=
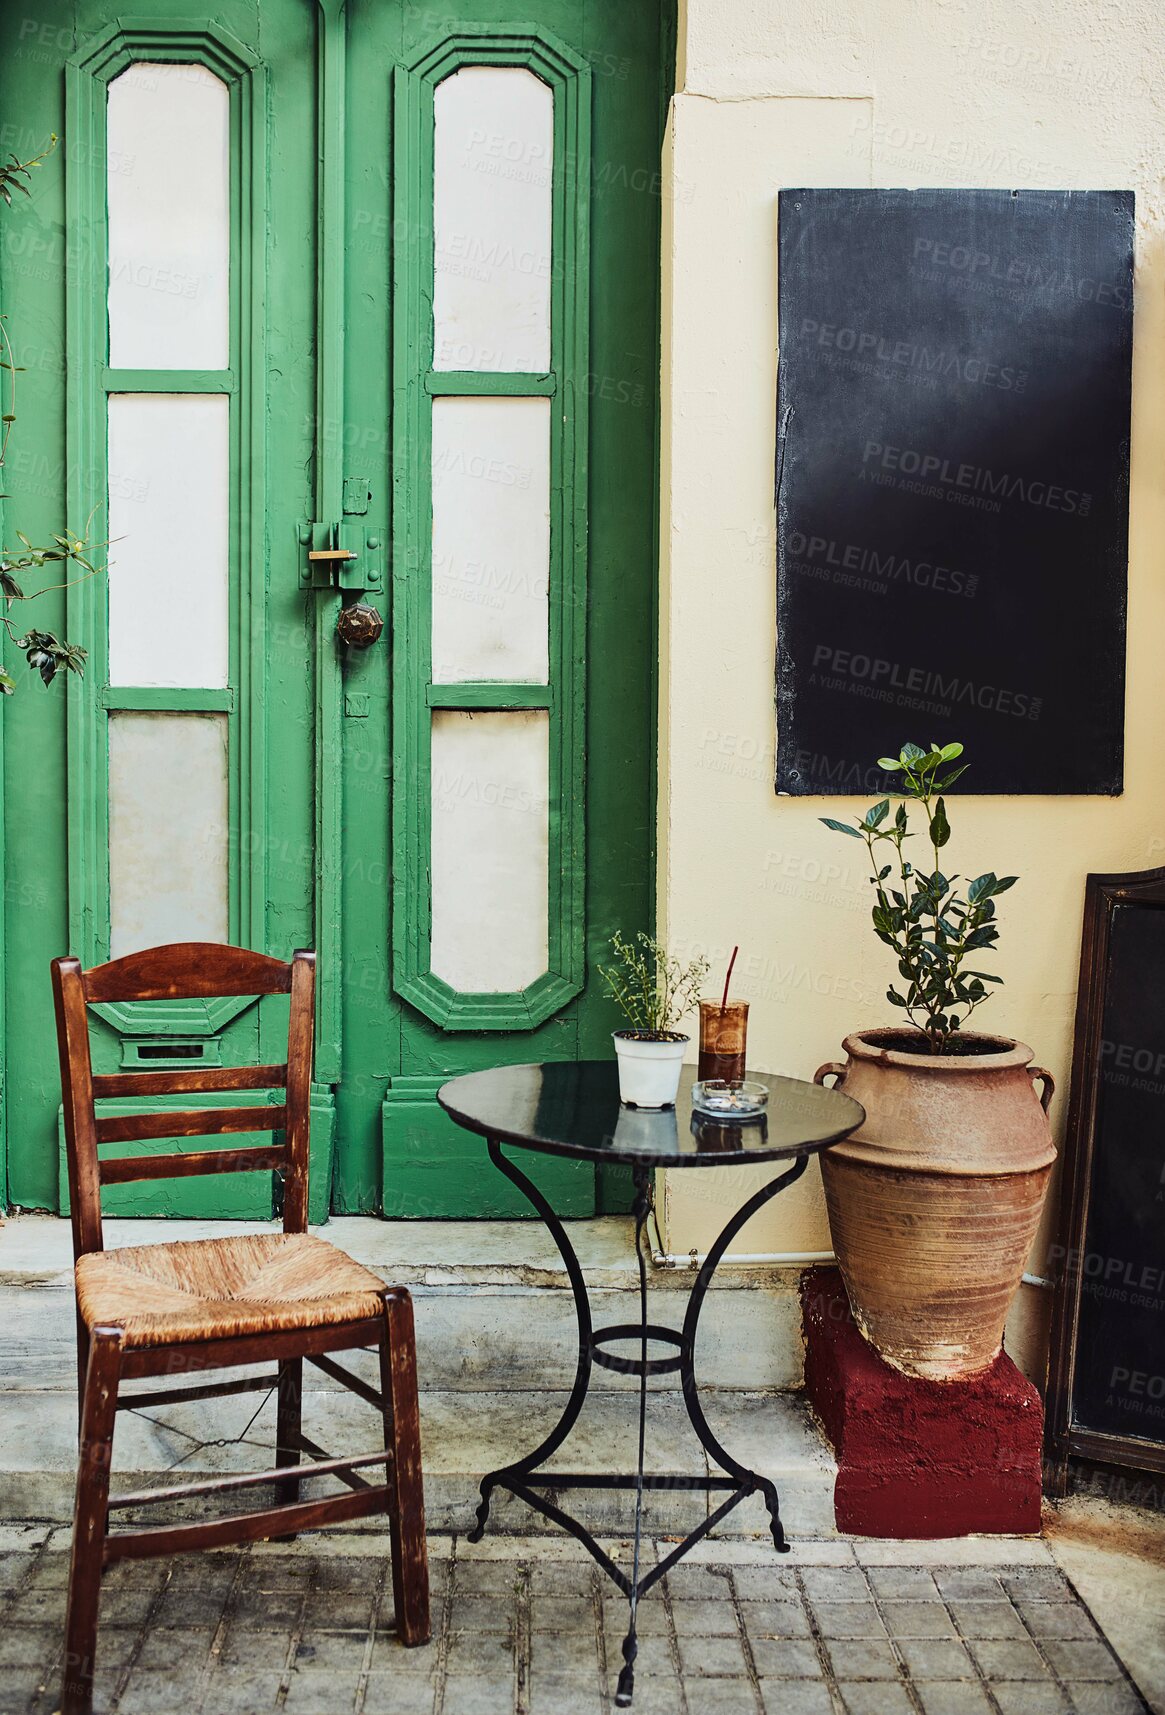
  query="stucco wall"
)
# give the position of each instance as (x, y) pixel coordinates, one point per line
(1002, 94)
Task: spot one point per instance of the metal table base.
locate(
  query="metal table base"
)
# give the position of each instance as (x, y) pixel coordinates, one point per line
(735, 1481)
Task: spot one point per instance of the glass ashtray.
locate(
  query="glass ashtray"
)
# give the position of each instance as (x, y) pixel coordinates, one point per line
(730, 1098)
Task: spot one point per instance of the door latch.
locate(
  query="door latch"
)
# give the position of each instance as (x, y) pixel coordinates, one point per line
(346, 556)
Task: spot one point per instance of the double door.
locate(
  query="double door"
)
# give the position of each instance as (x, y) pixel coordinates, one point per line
(362, 311)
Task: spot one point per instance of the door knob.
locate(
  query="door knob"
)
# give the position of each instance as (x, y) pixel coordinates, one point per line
(359, 626)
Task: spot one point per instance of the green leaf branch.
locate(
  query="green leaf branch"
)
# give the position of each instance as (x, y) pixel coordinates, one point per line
(14, 171)
(931, 927)
(45, 652)
(651, 987)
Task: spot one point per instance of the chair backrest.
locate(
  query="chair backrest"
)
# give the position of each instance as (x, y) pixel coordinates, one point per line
(197, 971)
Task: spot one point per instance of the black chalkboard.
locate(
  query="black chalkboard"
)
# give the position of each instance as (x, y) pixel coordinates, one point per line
(952, 484)
(1107, 1374)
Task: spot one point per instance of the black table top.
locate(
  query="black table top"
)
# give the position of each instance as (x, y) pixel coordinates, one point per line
(572, 1108)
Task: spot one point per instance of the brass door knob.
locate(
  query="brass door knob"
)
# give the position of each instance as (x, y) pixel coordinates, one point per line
(359, 626)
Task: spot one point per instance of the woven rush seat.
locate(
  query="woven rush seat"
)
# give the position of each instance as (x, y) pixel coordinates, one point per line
(210, 1289)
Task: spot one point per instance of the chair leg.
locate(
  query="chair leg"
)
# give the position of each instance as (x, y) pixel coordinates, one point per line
(402, 1435)
(89, 1519)
(289, 1425)
(82, 1367)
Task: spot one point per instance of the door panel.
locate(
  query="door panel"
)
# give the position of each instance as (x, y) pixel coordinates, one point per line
(160, 293)
(489, 656)
(512, 445)
(187, 434)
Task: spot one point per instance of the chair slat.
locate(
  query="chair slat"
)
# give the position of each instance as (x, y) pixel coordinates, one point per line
(175, 1083)
(313, 1448)
(346, 1379)
(281, 1521)
(201, 1122)
(325, 1466)
(197, 970)
(210, 1390)
(185, 1358)
(123, 1168)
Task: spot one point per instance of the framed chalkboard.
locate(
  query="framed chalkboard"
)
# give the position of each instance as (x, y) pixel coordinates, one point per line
(1106, 1392)
(952, 484)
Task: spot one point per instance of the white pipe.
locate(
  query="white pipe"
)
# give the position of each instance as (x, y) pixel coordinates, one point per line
(766, 1259)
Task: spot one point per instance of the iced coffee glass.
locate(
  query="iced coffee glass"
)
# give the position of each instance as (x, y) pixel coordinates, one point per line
(723, 1039)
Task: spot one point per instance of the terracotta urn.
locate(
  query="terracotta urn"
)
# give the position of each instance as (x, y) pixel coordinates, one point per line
(935, 1199)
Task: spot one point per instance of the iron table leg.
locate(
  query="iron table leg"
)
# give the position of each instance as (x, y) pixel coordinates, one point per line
(640, 1208)
(521, 1468)
(699, 1422)
(739, 1481)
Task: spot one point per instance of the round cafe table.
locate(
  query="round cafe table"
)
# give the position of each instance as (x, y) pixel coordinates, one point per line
(573, 1109)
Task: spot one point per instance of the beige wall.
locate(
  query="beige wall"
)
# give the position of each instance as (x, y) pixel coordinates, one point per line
(1063, 94)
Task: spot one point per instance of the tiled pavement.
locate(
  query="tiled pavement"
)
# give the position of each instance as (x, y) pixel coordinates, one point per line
(310, 1629)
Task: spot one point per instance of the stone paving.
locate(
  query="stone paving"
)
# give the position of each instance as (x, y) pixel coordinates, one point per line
(537, 1630)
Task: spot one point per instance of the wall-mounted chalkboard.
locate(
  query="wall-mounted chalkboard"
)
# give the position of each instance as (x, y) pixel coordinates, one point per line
(952, 484)
(1106, 1394)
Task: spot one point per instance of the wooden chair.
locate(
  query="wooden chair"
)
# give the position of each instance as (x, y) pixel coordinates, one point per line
(210, 1304)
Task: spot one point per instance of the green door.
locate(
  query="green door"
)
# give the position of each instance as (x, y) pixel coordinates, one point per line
(502, 316)
(362, 311)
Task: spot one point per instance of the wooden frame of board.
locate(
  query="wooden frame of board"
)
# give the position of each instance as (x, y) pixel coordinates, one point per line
(1062, 1438)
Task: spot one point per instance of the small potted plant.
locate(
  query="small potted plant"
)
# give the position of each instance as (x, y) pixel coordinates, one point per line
(934, 1201)
(653, 990)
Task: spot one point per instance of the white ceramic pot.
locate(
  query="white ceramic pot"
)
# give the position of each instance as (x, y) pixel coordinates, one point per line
(649, 1069)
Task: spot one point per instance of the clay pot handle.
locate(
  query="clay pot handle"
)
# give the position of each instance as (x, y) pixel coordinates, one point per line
(1049, 1088)
(834, 1068)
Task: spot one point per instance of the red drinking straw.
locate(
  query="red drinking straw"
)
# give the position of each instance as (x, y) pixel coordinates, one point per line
(727, 980)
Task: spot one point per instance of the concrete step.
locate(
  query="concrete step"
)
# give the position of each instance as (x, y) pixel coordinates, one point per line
(464, 1435)
(493, 1303)
(497, 1345)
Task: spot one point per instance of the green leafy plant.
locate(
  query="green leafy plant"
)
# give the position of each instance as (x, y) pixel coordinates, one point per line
(45, 652)
(14, 171)
(650, 986)
(932, 927)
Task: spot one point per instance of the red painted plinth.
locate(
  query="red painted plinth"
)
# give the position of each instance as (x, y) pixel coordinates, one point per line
(919, 1458)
